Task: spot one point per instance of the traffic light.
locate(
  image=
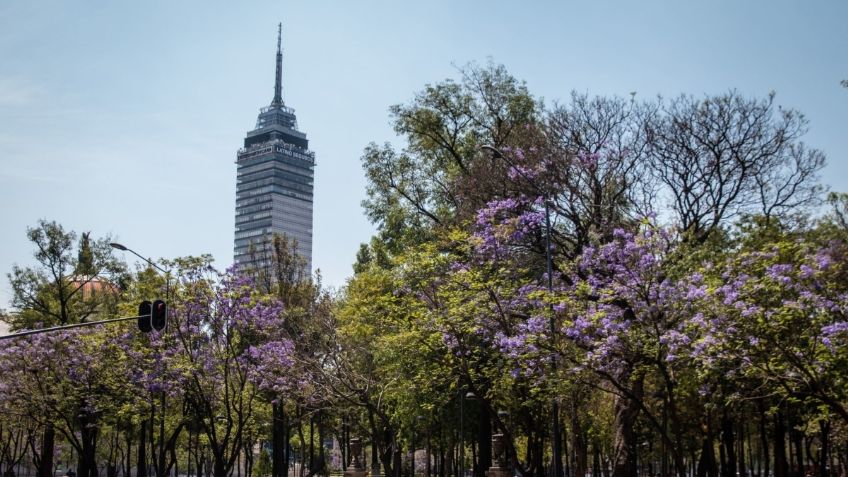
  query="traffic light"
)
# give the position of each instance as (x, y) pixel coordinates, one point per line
(145, 313)
(160, 315)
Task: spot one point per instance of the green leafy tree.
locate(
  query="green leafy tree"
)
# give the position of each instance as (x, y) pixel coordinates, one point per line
(415, 188)
(64, 287)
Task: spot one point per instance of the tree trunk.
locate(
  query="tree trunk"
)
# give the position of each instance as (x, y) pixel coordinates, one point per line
(311, 444)
(780, 463)
(539, 455)
(248, 459)
(444, 460)
(320, 467)
(596, 461)
(693, 464)
(344, 447)
(796, 441)
(764, 443)
(624, 435)
(112, 469)
(707, 462)
(484, 442)
(824, 428)
(578, 443)
(474, 457)
(671, 418)
(811, 457)
(278, 446)
(219, 467)
(740, 448)
(287, 426)
(48, 443)
(728, 443)
(302, 446)
(87, 459)
(128, 455)
(199, 457)
(387, 456)
(397, 459)
(87, 463)
(427, 468)
(568, 453)
(375, 448)
(141, 463)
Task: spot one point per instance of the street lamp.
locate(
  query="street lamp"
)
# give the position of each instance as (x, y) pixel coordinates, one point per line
(160, 468)
(124, 248)
(556, 439)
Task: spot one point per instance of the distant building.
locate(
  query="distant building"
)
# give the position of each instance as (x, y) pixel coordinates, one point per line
(274, 185)
(90, 286)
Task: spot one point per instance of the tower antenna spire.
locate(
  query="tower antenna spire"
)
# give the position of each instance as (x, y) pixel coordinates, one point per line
(278, 83)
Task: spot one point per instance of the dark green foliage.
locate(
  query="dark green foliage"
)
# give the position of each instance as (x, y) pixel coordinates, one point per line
(85, 257)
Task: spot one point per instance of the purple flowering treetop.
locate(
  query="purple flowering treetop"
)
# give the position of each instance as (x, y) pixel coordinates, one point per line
(230, 348)
(222, 354)
(72, 381)
(616, 310)
(777, 315)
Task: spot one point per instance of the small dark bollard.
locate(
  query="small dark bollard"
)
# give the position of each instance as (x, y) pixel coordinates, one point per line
(500, 463)
(355, 468)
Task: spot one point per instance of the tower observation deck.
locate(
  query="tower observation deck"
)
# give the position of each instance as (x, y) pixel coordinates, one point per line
(274, 187)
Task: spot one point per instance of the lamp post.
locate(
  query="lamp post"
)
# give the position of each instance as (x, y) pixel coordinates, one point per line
(556, 439)
(480, 459)
(462, 397)
(160, 467)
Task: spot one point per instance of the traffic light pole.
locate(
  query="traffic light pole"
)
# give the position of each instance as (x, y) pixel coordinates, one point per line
(68, 327)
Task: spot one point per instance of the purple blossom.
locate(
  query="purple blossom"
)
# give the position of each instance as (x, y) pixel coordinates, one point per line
(536, 325)
(505, 222)
(807, 271)
(835, 328)
(518, 172)
(823, 260)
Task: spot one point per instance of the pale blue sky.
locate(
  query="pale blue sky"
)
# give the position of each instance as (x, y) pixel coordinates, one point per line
(114, 116)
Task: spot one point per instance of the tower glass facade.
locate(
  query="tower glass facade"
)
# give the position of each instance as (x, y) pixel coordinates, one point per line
(275, 172)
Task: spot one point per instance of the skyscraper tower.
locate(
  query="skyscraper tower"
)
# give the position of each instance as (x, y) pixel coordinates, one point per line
(275, 172)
